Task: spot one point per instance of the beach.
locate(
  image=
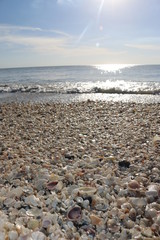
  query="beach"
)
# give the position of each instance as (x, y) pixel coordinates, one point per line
(80, 170)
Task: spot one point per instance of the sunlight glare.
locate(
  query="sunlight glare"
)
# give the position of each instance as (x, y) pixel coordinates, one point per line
(112, 67)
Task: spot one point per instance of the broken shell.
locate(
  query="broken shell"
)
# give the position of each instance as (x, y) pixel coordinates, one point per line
(156, 140)
(74, 214)
(46, 223)
(150, 213)
(33, 224)
(38, 236)
(138, 202)
(132, 214)
(87, 191)
(153, 190)
(51, 185)
(133, 185)
(95, 220)
(32, 201)
(13, 235)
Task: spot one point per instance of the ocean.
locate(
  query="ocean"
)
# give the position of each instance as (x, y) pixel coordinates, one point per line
(117, 82)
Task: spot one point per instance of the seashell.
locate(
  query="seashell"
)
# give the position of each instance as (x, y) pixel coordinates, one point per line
(126, 206)
(87, 191)
(9, 202)
(59, 186)
(32, 201)
(34, 212)
(46, 223)
(150, 213)
(95, 220)
(98, 203)
(40, 184)
(132, 214)
(133, 185)
(38, 236)
(153, 190)
(138, 202)
(155, 227)
(13, 235)
(146, 232)
(33, 224)
(112, 225)
(129, 224)
(89, 230)
(156, 140)
(70, 177)
(51, 185)
(54, 177)
(16, 192)
(74, 214)
(121, 201)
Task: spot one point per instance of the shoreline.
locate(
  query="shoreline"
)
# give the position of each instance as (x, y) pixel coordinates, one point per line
(50, 151)
(76, 97)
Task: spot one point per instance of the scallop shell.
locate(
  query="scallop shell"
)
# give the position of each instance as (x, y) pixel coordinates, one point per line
(87, 191)
(74, 214)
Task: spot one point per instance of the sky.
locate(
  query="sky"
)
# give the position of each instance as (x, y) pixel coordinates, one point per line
(79, 32)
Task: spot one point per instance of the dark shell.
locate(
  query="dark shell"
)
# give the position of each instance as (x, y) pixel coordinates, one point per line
(74, 214)
(51, 185)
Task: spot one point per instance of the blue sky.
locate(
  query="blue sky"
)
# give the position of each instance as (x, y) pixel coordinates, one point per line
(73, 32)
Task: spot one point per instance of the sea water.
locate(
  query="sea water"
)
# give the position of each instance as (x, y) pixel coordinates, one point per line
(115, 81)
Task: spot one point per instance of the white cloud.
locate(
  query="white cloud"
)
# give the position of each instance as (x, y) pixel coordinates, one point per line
(8, 29)
(144, 46)
(61, 2)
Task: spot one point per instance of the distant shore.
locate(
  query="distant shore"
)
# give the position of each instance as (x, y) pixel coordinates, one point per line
(50, 151)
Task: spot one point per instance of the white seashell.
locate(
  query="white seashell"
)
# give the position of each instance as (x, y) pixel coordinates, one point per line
(38, 236)
(9, 202)
(138, 202)
(13, 235)
(40, 183)
(2, 236)
(87, 191)
(153, 190)
(32, 200)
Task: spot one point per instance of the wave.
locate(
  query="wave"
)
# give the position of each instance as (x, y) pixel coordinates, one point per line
(73, 90)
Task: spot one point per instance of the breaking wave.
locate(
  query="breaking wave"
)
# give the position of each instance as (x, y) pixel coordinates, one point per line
(74, 90)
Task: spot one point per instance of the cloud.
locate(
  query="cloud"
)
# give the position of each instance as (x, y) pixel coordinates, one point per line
(62, 2)
(144, 46)
(8, 29)
(36, 42)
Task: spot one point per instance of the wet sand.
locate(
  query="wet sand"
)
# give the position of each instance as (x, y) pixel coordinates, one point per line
(50, 152)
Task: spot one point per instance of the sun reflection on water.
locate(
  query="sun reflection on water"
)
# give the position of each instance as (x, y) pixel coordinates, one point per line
(113, 68)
